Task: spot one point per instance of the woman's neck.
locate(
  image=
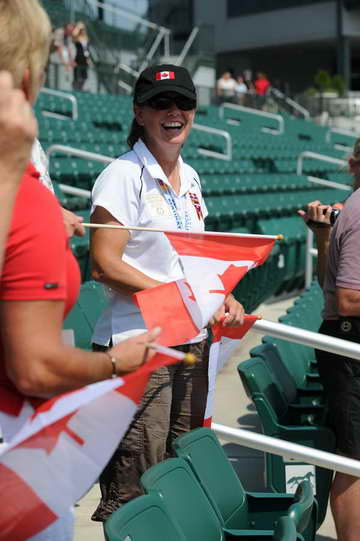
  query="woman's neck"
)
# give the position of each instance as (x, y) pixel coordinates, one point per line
(168, 159)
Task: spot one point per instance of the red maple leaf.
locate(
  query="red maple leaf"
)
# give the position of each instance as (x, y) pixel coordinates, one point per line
(47, 438)
(230, 277)
(191, 296)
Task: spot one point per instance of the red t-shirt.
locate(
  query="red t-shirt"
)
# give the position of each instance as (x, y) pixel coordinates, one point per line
(38, 262)
(261, 86)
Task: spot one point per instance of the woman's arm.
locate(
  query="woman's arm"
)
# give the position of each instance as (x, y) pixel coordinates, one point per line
(107, 248)
(40, 365)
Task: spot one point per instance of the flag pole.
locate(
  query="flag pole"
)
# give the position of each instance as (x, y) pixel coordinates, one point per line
(188, 358)
(155, 230)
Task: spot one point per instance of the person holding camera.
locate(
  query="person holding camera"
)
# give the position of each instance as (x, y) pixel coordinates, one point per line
(339, 277)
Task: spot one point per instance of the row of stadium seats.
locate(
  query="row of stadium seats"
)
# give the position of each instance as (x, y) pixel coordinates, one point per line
(281, 379)
(257, 190)
(199, 496)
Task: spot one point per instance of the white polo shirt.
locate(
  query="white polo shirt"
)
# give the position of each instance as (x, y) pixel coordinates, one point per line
(130, 189)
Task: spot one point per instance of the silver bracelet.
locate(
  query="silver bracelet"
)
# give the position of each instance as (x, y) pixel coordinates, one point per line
(113, 363)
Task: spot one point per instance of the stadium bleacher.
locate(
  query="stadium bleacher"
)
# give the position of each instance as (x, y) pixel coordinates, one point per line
(257, 191)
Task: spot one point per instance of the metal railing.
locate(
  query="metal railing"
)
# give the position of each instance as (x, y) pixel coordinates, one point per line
(72, 151)
(275, 131)
(288, 449)
(294, 104)
(65, 96)
(212, 153)
(307, 338)
(329, 183)
(73, 190)
(84, 154)
(316, 156)
(340, 131)
(180, 59)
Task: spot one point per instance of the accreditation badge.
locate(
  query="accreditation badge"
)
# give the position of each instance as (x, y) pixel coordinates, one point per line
(157, 206)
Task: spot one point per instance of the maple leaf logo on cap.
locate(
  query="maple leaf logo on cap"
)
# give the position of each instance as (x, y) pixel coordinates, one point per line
(161, 75)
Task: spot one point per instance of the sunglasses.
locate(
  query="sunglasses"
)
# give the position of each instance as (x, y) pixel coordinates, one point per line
(161, 103)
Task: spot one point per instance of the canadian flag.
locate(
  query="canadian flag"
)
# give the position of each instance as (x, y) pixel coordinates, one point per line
(212, 264)
(61, 449)
(225, 340)
(161, 75)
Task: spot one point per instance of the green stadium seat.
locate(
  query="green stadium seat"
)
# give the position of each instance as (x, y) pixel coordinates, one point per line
(285, 530)
(236, 508)
(294, 395)
(92, 301)
(79, 325)
(143, 519)
(273, 409)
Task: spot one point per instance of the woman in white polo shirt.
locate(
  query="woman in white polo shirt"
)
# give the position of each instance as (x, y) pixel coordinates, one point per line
(150, 186)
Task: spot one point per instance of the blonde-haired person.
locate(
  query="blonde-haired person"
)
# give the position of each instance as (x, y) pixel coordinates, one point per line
(28, 71)
(17, 132)
(81, 42)
(339, 277)
(40, 278)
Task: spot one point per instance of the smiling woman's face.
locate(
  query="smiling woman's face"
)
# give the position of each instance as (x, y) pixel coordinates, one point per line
(170, 126)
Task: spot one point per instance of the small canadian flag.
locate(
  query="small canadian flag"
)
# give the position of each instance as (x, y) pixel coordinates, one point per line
(161, 75)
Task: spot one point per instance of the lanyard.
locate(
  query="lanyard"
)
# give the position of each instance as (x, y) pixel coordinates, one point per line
(167, 193)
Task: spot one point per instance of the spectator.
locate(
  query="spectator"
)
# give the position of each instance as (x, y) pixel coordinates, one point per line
(40, 278)
(339, 276)
(262, 85)
(241, 90)
(17, 131)
(225, 87)
(39, 159)
(61, 42)
(81, 41)
(150, 186)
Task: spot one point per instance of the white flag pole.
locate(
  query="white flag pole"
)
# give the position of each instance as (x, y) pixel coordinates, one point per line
(155, 230)
(188, 358)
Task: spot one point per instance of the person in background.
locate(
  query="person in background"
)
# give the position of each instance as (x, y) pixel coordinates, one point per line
(262, 85)
(150, 186)
(339, 277)
(225, 87)
(18, 129)
(241, 90)
(82, 56)
(61, 43)
(40, 161)
(40, 278)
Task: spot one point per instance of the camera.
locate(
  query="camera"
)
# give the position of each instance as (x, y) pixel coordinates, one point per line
(334, 215)
(332, 218)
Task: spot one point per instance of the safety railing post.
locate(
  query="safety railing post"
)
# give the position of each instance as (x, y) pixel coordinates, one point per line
(212, 153)
(65, 96)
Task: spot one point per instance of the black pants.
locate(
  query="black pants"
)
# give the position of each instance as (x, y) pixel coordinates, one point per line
(341, 379)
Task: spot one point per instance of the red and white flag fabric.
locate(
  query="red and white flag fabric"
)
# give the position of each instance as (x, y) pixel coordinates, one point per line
(225, 340)
(161, 75)
(62, 448)
(212, 264)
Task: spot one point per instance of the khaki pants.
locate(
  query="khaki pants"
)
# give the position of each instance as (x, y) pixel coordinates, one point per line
(174, 402)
